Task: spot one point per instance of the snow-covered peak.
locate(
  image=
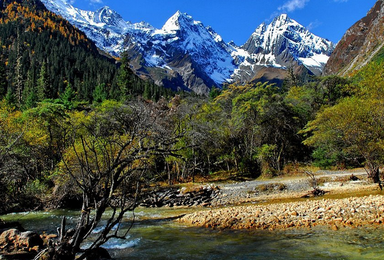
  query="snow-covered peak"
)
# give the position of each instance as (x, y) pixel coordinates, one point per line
(59, 4)
(63, 8)
(104, 26)
(282, 20)
(279, 25)
(107, 16)
(261, 29)
(190, 34)
(179, 21)
(142, 26)
(282, 17)
(181, 34)
(284, 35)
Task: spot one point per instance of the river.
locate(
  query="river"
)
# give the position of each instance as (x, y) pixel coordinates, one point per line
(155, 236)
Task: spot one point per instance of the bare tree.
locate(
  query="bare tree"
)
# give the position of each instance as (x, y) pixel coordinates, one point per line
(108, 158)
(313, 182)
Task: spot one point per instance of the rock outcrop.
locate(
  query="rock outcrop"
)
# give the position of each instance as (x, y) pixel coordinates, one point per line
(359, 44)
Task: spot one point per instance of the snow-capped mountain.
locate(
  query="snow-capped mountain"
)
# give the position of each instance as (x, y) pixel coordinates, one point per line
(187, 47)
(185, 54)
(282, 43)
(105, 27)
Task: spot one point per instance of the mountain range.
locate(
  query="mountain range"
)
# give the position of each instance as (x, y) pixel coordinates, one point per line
(187, 55)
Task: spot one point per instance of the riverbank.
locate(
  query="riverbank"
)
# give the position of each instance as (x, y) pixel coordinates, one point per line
(334, 213)
(350, 201)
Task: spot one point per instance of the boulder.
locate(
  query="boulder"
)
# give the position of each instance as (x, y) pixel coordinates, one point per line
(30, 240)
(13, 240)
(8, 240)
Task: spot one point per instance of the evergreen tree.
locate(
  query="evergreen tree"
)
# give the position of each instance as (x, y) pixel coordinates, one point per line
(147, 91)
(30, 97)
(31, 100)
(42, 83)
(100, 94)
(215, 92)
(69, 97)
(10, 98)
(124, 77)
(3, 81)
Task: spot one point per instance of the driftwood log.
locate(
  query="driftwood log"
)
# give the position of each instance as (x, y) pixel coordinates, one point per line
(173, 197)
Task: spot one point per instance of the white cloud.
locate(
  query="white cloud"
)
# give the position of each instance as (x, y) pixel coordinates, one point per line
(96, 1)
(313, 25)
(292, 5)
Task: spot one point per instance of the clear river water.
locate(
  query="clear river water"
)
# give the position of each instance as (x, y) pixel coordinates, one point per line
(156, 236)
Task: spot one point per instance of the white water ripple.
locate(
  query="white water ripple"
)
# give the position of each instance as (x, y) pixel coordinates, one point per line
(115, 243)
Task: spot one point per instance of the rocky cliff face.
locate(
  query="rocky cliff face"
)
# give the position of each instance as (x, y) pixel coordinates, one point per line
(359, 44)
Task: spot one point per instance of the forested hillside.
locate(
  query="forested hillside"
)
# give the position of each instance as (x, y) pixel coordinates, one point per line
(42, 55)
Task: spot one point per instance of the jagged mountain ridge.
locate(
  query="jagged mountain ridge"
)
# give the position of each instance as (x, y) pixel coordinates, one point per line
(105, 27)
(185, 54)
(281, 44)
(359, 44)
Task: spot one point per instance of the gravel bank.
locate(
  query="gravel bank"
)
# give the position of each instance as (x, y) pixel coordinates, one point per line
(244, 192)
(294, 187)
(335, 213)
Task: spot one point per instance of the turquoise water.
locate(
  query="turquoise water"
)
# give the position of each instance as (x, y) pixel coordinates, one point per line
(162, 238)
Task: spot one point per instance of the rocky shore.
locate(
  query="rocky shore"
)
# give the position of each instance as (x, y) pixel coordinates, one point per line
(334, 213)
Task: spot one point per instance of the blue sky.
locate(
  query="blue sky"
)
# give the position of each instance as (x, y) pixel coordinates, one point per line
(237, 19)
